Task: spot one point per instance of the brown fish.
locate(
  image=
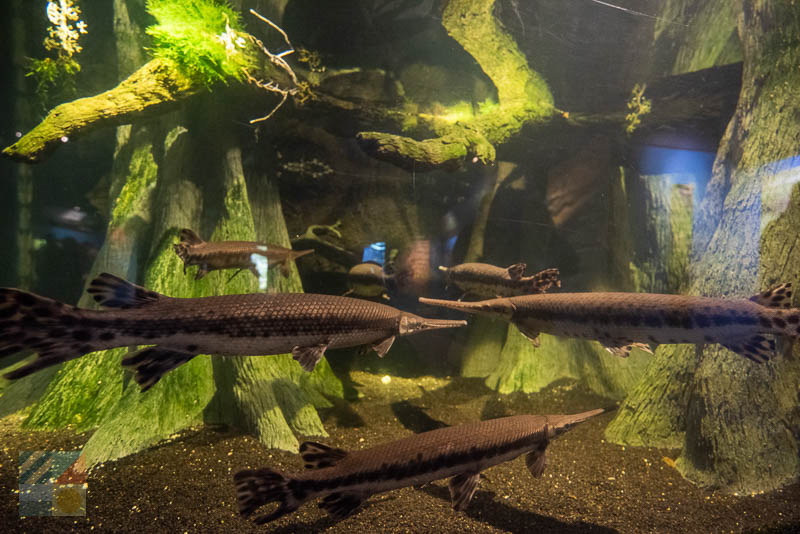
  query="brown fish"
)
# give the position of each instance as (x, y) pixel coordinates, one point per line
(621, 321)
(485, 280)
(345, 479)
(304, 324)
(368, 280)
(212, 256)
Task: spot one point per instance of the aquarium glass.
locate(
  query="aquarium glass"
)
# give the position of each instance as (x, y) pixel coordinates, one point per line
(400, 266)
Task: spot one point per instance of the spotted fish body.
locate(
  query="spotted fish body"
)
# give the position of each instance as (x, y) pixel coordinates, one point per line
(485, 280)
(180, 328)
(622, 320)
(213, 256)
(346, 479)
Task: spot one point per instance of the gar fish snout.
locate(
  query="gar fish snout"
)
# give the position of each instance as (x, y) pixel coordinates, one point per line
(411, 324)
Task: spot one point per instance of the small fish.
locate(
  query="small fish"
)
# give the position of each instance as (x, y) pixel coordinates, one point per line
(368, 280)
(211, 256)
(484, 280)
(304, 324)
(346, 479)
(621, 321)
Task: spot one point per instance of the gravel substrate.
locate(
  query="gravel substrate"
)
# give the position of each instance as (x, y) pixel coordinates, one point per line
(589, 486)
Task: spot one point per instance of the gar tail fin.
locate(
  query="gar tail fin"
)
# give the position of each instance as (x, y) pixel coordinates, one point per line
(300, 253)
(255, 488)
(190, 237)
(54, 330)
(291, 256)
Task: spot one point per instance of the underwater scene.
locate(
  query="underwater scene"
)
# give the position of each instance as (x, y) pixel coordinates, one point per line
(400, 266)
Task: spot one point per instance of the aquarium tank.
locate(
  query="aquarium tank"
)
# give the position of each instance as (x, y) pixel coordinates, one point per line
(400, 266)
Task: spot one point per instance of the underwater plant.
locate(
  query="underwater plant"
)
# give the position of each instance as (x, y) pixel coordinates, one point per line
(56, 76)
(639, 106)
(203, 37)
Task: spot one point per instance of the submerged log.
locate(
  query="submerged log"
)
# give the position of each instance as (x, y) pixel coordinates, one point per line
(153, 89)
(523, 97)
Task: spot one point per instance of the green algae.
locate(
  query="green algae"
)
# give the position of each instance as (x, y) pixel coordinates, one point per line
(192, 34)
(143, 173)
(526, 368)
(523, 97)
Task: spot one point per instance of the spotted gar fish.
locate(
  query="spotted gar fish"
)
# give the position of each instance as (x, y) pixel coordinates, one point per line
(485, 280)
(213, 256)
(621, 321)
(304, 324)
(345, 479)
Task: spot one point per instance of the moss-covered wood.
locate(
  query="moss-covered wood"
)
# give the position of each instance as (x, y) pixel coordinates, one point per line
(523, 97)
(152, 89)
(691, 35)
(737, 421)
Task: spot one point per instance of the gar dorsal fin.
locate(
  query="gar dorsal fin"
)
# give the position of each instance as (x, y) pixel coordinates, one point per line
(189, 236)
(775, 297)
(318, 456)
(517, 270)
(114, 292)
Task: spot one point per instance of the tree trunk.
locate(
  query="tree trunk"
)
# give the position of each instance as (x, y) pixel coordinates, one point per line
(737, 421)
(184, 172)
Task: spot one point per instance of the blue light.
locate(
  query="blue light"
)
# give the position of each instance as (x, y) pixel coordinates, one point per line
(692, 166)
(375, 252)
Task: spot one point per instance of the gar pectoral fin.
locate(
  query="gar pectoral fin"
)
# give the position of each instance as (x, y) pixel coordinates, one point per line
(342, 504)
(462, 488)
(536, 461)
(318, 456)
(383, 347)
(531, 334)
(150, 364)
(308, 357)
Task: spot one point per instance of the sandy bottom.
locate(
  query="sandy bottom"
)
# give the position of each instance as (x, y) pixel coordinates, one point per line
(589, 486)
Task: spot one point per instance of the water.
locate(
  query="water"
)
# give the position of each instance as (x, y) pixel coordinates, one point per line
(634, 146)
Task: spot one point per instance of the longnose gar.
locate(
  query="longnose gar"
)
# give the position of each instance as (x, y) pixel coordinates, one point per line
(212, 256)
(304, 324)
(622, 320)
(346, 479)
(485, 280)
